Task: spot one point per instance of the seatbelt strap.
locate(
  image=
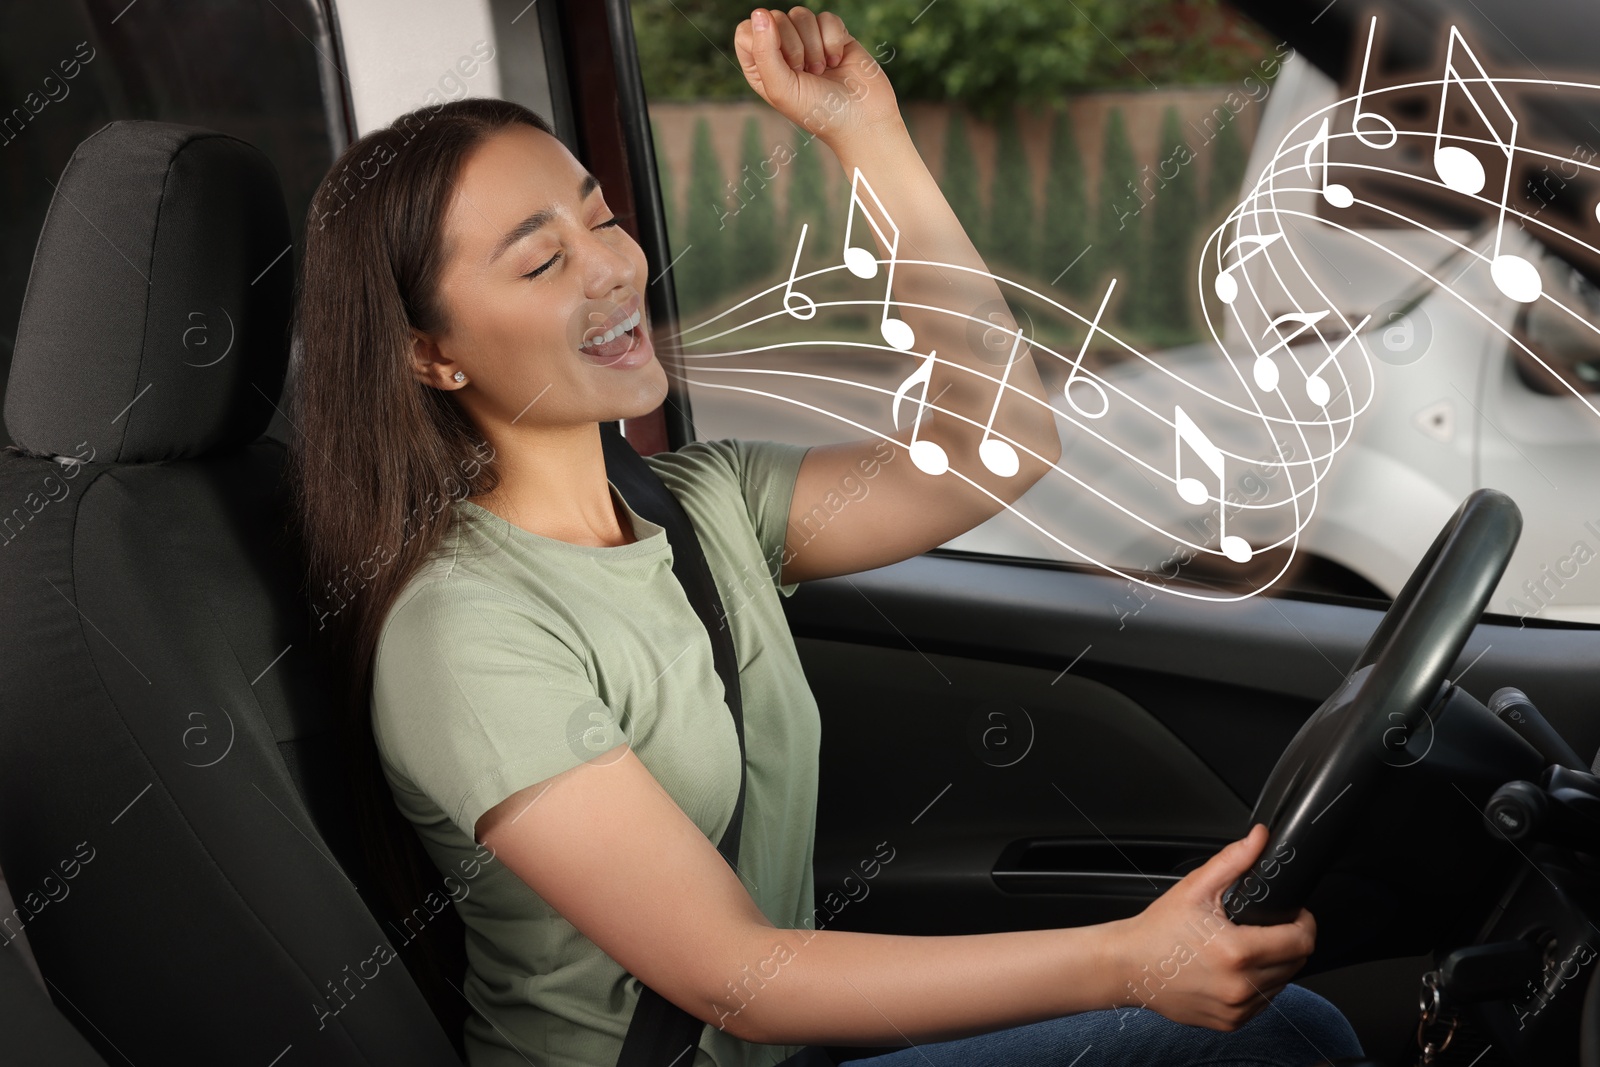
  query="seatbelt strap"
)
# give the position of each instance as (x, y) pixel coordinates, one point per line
(660, 1030)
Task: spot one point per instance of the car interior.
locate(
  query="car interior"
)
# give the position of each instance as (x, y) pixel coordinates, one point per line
(1039, 743)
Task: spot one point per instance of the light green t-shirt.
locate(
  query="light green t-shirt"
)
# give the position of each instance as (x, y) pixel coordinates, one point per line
(511, 657)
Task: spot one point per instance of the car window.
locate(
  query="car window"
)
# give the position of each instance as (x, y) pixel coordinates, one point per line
(1268, 243)
(247, 69)
(400, 57)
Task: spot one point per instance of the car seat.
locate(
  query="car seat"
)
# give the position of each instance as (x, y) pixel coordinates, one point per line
(172, 822)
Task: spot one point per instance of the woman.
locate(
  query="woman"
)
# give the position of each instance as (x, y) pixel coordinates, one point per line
(526, 673)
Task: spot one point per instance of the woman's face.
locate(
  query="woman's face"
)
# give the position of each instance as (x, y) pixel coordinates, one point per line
(536, 272)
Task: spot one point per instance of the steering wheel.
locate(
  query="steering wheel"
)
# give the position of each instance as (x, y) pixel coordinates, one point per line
(1315, 799)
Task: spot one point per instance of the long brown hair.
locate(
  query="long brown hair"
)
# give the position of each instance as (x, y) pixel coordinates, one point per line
(377, 457)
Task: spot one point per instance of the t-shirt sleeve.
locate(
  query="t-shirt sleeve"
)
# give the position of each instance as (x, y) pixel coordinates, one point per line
(766, 472)
(476, 696)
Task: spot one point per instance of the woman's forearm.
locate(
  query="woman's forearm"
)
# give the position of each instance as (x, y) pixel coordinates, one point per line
(844, 987)
(929, 230)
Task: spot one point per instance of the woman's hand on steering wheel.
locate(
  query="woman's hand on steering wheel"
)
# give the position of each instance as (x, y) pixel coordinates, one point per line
(813, 73)
(1184, 958)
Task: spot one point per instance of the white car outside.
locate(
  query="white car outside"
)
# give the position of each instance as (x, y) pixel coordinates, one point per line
(1450, 412)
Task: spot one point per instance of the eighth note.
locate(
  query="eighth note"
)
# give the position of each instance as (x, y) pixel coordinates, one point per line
(1226, 285)
(1193, 490)
(1317, 390)
(926, 455)
(1462, 171)
(1458, 168)
(863, 264)
(1334, 193)
(1266, 370)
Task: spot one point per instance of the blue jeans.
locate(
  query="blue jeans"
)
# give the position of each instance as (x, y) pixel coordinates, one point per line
(1298, 1029)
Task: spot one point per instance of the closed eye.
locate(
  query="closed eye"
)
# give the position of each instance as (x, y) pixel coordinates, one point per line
(541, 269)
(612, 221)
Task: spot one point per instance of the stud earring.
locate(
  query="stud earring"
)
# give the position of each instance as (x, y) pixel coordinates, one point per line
(460, 376)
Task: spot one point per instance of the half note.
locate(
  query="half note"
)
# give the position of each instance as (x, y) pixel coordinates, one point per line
(864, 264)
(1361, 92)
(1078, 374)
(928, 457)
(808, 305)
(1227, 285)
(1193, 490)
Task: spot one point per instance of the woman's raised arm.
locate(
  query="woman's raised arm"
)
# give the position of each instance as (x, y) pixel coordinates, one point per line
(811, 70)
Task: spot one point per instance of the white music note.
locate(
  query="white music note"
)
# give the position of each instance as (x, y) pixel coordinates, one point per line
(1193, 490)
(1226, 285)
(788, 289)
(1317, 390)
(1334, 193)
(1077, 365)
(863, 264)
(928, 457)
(1266, 368)
(1361, 92)
(996, 454)
(1462, 171)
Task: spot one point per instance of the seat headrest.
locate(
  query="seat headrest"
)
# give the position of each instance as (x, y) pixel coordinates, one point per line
(155, 324)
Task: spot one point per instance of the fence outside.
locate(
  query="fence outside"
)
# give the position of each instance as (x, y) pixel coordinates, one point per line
(1108, 182)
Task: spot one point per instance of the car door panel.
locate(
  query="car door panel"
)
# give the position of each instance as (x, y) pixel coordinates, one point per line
(1150, 732)
(1000, 788)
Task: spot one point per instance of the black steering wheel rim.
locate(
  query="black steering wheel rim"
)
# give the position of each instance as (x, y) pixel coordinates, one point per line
(1313, 802)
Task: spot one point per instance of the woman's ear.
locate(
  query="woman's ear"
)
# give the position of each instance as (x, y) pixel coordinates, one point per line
(429, 365)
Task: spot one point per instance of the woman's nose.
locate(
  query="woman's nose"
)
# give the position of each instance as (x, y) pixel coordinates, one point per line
(610, 265)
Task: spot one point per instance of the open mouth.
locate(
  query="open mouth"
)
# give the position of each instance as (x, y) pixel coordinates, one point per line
(618, 341)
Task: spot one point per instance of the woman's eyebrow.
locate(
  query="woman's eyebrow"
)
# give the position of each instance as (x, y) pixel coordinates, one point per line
(528, 225)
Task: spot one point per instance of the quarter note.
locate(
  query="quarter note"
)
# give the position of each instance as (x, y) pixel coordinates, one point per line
(1077, 365)
(1361, 92)
(1462, 171)
(1226, 285)
(996, 454)
(863, 264)
(809, 305)
(1317, 390)
(1334, 193)
(1266, 369)
(928, 457)
(1193, 490)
